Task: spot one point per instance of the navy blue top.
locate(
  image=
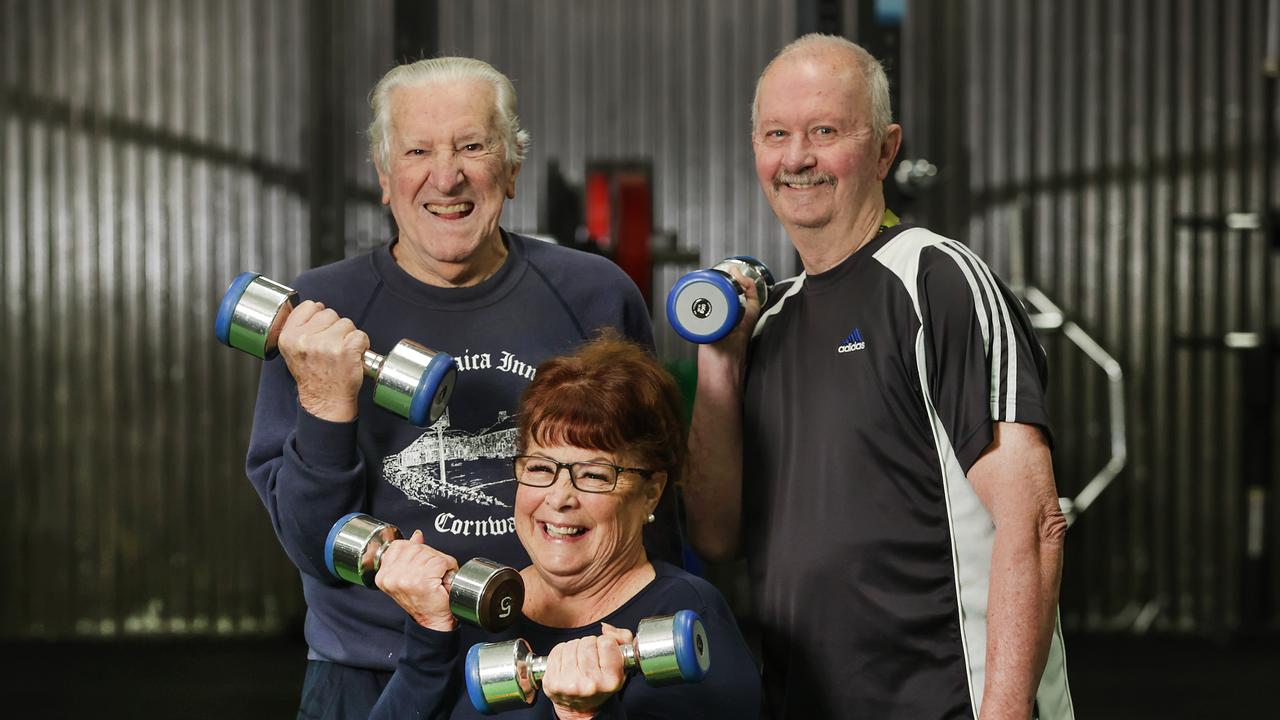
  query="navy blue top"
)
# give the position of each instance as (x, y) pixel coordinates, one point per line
(453, 480)
(428, 682)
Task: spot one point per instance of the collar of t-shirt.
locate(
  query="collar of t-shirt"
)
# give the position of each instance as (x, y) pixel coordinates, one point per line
(488, 291)
(890, 226)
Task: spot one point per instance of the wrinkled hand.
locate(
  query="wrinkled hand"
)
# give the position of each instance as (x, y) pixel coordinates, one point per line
(412, 574)
(582, 674)
(732, 348)
(324, 353)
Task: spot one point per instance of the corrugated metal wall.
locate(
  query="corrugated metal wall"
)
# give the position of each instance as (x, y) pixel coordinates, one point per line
(1112, 139)
(667, 81)
(368, 56)
(150, 151)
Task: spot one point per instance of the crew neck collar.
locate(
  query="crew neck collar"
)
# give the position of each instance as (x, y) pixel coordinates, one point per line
(399, 282)
(828, 279)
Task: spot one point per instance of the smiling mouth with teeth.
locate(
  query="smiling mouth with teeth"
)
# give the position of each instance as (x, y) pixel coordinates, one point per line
(803, 181)
(803, 184)
(563, 530)
(456, 211)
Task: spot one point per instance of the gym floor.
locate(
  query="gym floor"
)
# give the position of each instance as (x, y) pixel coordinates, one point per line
(1117, 676)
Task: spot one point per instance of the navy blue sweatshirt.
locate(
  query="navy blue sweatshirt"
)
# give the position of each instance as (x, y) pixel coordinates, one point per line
(453, 480)
(428, 682)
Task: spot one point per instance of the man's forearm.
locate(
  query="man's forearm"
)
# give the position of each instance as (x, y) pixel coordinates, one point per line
(307, 471)
(1014, 480)
(713, 486)
(1026, 572)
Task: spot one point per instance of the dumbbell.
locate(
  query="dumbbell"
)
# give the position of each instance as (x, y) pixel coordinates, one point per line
(481, 592)
(412, 381)
(706, 305)
(667, 649)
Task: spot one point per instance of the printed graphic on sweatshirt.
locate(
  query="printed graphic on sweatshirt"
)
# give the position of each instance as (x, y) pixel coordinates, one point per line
(448, 467)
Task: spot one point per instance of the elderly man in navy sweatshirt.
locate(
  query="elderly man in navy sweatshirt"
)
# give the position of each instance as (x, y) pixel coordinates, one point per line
(447, 145)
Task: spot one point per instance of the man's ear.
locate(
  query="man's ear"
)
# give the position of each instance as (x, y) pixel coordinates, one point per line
(888, 150)
(511, 181)
(384, 182)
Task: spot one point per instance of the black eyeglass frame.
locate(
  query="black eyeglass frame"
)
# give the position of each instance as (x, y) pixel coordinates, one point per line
(573, 477)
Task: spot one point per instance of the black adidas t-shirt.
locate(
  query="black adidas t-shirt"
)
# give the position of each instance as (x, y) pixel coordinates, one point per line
(871, 389)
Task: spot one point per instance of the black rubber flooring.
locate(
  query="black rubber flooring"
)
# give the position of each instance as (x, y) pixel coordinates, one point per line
(1111, 677)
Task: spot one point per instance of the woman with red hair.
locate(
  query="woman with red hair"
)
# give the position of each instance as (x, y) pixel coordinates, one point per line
(600, 436)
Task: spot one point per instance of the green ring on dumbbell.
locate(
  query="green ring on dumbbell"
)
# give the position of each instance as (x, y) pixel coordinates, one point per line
(227, 332)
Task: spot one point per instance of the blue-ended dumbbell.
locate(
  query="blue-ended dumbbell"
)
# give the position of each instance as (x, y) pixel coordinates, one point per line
(667, 649)
(706, 305)
(482, 592)
(412, 381)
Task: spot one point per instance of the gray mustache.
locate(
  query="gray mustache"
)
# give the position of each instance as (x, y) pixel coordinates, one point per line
(810, 177)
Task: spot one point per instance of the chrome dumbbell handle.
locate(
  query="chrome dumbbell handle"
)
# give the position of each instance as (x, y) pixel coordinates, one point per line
(372, 363)
(753, 270)
(667, 649)
(630, 663)
(356, 551)
(538, 667)
(481, 591)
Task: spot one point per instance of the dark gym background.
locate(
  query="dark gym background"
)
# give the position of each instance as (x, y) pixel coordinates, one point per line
(1116, 158)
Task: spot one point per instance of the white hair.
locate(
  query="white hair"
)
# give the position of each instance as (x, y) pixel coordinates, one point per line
(872, 74)
(515, 140)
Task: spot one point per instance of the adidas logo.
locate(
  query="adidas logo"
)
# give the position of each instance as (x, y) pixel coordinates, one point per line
(853, 343)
